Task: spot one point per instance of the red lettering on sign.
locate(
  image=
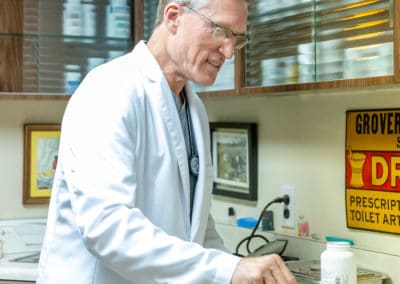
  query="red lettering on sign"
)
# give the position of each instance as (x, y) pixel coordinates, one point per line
(373, 170)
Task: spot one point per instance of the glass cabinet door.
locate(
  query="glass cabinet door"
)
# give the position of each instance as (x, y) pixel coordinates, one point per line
(276, 30)
(63, 39)
(149, 15)
(305, 41)
(354, 39)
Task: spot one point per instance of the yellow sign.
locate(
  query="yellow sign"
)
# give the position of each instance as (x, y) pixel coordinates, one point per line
(373, 170)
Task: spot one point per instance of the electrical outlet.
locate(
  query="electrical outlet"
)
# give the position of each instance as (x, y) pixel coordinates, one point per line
(288, 216)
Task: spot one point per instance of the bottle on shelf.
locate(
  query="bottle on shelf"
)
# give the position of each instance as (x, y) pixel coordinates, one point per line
(118, 19)
(72, 18)
(302, 227)
(72, 78)
(89, 20)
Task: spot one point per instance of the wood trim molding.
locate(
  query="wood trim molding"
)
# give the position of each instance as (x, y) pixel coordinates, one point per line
(138, 20)
(240, 78)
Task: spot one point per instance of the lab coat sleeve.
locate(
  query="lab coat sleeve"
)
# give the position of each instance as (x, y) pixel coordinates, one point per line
(98, 160)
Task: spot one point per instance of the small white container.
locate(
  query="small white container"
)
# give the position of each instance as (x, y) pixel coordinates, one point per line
(72, 19)
(89, 19)
(118, 19)
(72, 81)
(72, 78)
(338, 264)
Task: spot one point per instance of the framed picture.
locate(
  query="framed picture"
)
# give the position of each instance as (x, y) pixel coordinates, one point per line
(41, 143)
(234, 156)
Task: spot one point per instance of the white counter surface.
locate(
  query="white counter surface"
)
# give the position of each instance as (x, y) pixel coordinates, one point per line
(20, 237)
(16, 270)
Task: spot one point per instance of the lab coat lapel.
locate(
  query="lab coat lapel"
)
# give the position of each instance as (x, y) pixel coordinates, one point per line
(173, 123)
(203, 186)
(162, 97)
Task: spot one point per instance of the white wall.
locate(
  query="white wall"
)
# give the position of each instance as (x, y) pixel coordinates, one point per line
(301, 143)
(13, 115)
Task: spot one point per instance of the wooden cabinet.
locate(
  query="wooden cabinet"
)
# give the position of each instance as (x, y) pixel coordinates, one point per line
(48, 46)
(10, 45)
(310, 44)
(298, 45)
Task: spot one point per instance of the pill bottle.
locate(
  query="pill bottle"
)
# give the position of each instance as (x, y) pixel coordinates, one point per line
(72, 78)
(302, 227)
(338, 264)
(118, 19)
(72, 19)
(89, 20)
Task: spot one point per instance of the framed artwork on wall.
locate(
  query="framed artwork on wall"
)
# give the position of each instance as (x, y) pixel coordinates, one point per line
(41, 143)
(234, 157)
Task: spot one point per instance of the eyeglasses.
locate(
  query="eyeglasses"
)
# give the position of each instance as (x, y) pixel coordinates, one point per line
(221, 33)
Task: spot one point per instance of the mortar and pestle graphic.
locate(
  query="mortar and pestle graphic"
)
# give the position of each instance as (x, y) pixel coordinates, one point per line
(356, 163)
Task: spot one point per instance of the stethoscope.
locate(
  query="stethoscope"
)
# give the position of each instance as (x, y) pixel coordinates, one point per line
(194, 164)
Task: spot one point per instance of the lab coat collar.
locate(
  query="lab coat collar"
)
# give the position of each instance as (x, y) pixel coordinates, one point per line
(151, 69)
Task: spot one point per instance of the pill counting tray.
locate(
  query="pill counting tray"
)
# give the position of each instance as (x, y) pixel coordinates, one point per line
(309, 272)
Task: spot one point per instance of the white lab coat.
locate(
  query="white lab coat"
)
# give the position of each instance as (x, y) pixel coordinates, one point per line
(117, 212)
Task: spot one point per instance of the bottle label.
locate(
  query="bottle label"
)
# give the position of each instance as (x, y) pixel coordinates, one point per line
(330, 278)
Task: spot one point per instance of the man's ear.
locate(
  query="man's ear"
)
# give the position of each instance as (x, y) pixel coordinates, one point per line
(172, 13)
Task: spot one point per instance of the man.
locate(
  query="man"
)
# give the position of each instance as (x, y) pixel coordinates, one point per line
(131, 197)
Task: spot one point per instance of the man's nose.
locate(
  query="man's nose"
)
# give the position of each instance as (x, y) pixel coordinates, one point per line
(227, 47)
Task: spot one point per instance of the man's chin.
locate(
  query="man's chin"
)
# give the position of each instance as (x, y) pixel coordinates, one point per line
(205, 83)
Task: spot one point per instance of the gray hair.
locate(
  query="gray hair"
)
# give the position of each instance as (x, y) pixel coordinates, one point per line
(195, 4)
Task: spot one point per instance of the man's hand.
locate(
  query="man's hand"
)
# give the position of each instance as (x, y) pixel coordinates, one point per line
(267, 269)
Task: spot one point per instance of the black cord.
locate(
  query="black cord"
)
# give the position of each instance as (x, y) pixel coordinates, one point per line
(249, 238)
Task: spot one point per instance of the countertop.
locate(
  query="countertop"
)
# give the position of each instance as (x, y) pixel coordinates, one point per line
(17, 270)
(20, 237)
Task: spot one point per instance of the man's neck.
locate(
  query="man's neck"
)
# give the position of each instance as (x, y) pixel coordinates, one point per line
(157, 45)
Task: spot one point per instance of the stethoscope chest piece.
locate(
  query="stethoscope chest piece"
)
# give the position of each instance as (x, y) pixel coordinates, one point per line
(194, 165)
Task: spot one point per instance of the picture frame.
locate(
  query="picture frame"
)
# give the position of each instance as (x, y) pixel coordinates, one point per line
(234, 157)
(41, 142)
